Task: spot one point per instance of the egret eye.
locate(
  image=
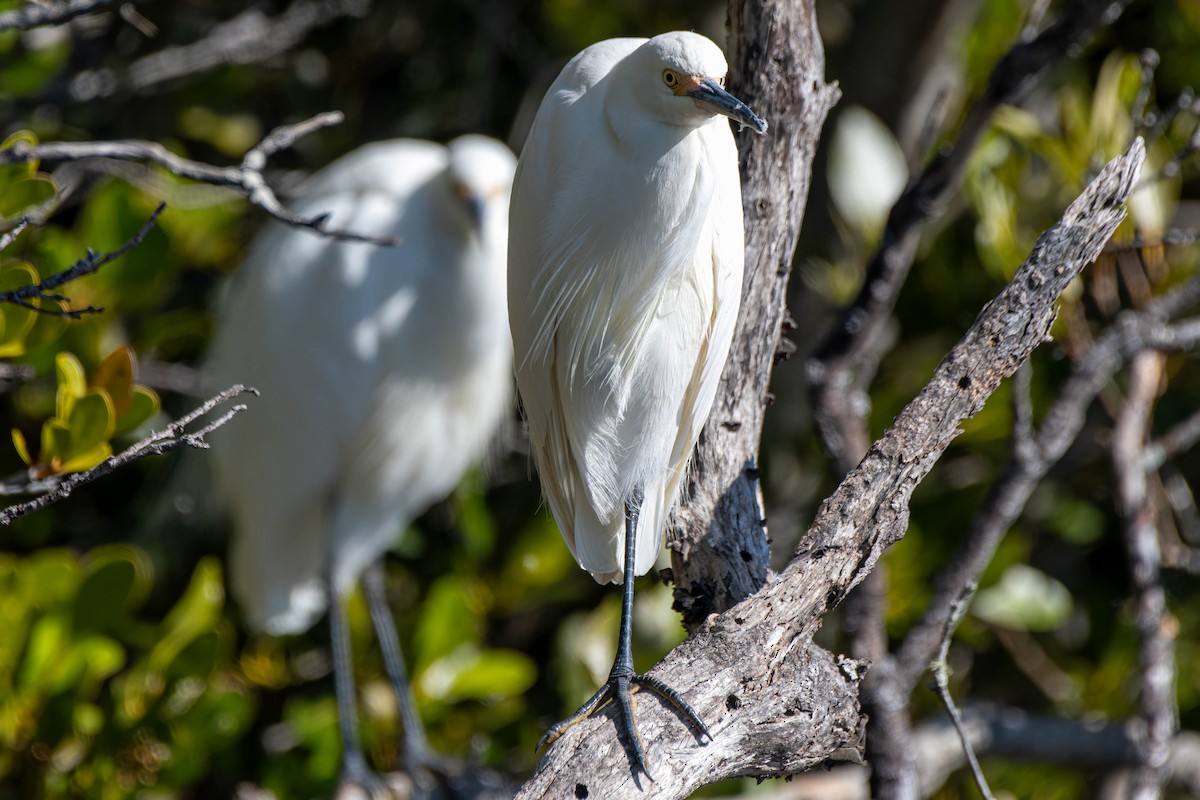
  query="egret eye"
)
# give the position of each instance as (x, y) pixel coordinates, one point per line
(670, 78)
(721, 81)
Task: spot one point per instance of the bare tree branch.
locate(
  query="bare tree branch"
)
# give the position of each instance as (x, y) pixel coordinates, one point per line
(1156, 652)
(1174, 442)
(247, 179)
(18, 227)
(58, 487)
(90, 263)
(36, 14)
(941, 682)
(249, 38)
(1011, 734)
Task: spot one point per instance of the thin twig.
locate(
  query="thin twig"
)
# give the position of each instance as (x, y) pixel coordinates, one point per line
(941, 681)
(58, 487)
(1174, 442)
(1156, 651)
(251, 37)
(34, 15)
(1143, 120)
(10, 236)
(246, 179)
(84, 266)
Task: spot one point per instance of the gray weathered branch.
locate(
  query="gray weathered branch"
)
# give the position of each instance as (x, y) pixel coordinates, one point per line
(249, 38)
(34, 15)
(1156, 648)
(246, 179)
(175, 435)
(1014, 735)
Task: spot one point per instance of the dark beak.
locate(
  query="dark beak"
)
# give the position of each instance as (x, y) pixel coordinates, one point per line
(475, 209)
(723, 102)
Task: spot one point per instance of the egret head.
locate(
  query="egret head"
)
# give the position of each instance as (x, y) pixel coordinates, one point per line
(681, 75)
(480, 173)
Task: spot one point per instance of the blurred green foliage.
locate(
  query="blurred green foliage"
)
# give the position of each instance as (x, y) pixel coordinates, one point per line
(101, 700)
(123, 671)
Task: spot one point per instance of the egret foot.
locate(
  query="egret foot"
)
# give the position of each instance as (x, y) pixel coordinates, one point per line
(359, 782)
(617, 690)
(622, 676)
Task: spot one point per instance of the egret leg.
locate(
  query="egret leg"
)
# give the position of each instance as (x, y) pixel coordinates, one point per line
(622, 677)
(414, 746)
(355, 770)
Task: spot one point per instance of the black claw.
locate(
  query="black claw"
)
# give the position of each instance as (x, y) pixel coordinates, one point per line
(618, 692)
(681, 706)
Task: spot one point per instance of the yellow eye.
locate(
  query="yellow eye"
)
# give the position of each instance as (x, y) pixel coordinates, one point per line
(670, 78)
(721, 81)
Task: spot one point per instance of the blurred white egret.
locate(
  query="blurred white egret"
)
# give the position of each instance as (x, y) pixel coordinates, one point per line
(625, 273)
(384, 372)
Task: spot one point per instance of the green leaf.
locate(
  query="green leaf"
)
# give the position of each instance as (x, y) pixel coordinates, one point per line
(447, 619)
(143, 404)
(82, 462)
(72, 383)
(104, 597)
(485, 675)
(22, 448)
(50, 577)
(56, 440)
(16, 320)
(103, 657)
(25, 192)
(196, 613)
(1024, 599)
(91, 422)
(1077, 521)
(45, 661)
(88, 719)
(28, 137)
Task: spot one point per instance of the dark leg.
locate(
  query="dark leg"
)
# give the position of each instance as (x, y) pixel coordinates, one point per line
(622, 676)
(414, 747)
(354, 763)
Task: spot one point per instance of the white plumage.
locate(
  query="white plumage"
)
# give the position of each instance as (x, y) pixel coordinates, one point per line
(384, 371)
(625, 272)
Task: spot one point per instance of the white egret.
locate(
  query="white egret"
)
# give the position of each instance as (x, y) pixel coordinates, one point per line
(625, 273)
(383, 371)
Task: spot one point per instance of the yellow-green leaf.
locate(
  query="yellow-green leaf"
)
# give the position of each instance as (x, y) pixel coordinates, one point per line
(24, 193)
(72, 383)
(15, 321)
(19, 443)
(115, 376)
(28, 137)
(143, 404)
(56, 440)
(91, 421)
(80, 462)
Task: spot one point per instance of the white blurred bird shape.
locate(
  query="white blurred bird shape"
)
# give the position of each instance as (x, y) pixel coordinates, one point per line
(384, 373)
(625, 274)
